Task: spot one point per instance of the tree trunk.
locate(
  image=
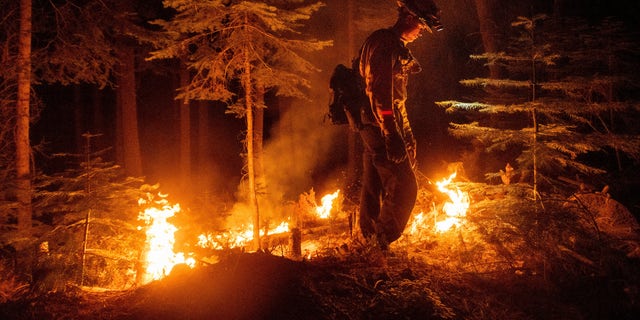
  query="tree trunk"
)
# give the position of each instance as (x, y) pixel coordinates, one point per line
(258, 144)
(23, 147)
(253, 202)
(203, 153)
(557, 9)
(128, 111)
(488, 32)
(78, 118)
(98, 124)
(354, 153)
(185, 136)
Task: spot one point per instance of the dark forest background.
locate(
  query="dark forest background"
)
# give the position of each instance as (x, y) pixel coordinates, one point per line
(297, 132)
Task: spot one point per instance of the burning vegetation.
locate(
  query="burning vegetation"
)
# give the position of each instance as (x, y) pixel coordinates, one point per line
(532, 244)
(471, 251)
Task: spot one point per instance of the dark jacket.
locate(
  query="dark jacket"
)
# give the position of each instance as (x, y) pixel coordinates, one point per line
(385, 65)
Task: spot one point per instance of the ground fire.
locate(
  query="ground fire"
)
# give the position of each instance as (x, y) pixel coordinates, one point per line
(160, 257)
(455, 208)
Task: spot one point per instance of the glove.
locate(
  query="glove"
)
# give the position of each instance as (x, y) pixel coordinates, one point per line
(396, 151)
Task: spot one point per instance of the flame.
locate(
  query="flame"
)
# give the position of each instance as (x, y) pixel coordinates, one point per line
(237, 238)
(242, 236)
(160, 258)
(457, 206)
(324, 211)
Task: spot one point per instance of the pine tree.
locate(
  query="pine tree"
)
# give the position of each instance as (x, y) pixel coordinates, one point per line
(563, 100)
(89, 212)
(230, 46)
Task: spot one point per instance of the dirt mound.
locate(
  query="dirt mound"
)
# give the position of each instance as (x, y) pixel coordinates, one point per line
(264, 286)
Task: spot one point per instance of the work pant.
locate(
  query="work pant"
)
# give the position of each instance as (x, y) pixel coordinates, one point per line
(389, 190)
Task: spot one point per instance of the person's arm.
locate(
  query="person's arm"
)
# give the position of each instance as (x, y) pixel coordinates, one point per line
(380, 77)
(382, 64)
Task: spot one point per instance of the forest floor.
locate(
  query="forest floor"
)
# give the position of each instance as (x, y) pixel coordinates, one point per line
(506, 262)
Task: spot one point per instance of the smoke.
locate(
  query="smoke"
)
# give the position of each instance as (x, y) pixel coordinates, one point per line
(302, 151)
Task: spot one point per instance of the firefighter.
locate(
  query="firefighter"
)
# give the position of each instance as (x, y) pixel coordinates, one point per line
(389, 186)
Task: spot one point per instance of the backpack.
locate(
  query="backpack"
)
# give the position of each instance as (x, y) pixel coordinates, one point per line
(348, 96)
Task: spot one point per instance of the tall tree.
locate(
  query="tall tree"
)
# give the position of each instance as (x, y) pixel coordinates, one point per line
(98, 42)
(73, 43)
(22, 144)
(128, 141)
(484, 8)
(231, 45)
(185, 134)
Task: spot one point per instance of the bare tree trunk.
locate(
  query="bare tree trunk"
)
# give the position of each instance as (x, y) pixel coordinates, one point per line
(488, 32)
(253, 202)
(557, 8)
(98, 124)
(204, 148)
(126, 101)
(354, 154)
(128, 136)
(78, 119)
(258, 134)
(23, 147)
(185, 135)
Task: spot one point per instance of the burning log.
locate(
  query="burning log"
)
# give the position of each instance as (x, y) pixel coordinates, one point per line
(296, 242)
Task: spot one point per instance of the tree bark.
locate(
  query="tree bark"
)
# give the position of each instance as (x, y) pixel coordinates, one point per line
(248, 93)
(203, 153)
(127, 115)
(23, 146)
(78, 119)
(258, 134)
(185, 136)
(488, 32)
(253, 201)
(354, 152)
(128, 111)
(98, 124)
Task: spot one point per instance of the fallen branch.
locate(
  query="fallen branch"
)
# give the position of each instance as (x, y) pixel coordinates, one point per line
(576, 255)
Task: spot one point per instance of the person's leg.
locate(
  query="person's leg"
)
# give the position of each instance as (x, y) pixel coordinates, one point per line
(371, 193)
(400, 190)
(369, 197)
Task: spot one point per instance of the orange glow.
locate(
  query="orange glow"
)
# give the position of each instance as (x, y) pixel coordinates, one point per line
(324, 211)
(160, 258)
(237, 238)
(242, 236)
(417, 222)
(455, 208)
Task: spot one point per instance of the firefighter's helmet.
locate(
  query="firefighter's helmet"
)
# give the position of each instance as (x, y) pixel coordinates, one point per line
(426, 10)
